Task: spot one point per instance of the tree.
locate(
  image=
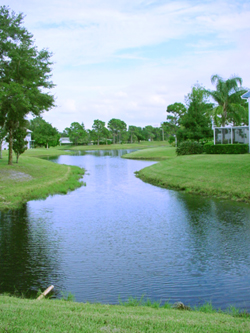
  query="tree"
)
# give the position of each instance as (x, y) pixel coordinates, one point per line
(2, 136)
(99, 129)
(77, 133)
(44, 133)
(19, 142)
(117, 127)
(196, 122)
(230, 107)
(24, 75)
(175, 113)
(149, 132)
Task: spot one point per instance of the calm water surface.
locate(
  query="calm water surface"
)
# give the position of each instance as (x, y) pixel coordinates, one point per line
(119, 237)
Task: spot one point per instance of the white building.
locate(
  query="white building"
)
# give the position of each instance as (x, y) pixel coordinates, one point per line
(5, 145)
(65, 141)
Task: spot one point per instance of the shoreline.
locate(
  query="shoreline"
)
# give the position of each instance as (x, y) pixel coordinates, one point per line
(35, 178)
(67, 316)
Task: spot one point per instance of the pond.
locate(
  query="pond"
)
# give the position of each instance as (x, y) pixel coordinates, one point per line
(118, 237)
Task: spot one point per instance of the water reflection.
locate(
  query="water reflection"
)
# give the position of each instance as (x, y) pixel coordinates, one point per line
(29, 260)
(121, 237)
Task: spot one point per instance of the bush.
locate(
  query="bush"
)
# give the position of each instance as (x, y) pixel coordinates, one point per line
(171, 139)
(189, 148)
(210, 148)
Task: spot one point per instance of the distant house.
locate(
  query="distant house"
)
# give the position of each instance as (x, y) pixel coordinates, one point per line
(65, 141)
(5, 145)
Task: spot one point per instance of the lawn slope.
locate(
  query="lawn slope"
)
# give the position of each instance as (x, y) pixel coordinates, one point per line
(35, 178)
(19, 315)
(225, 176)
(152, 154)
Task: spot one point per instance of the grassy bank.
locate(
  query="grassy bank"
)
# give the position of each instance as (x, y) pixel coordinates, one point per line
(224, 176)
(35, 178)
(152, 154)
(20, 315)
(141, 145)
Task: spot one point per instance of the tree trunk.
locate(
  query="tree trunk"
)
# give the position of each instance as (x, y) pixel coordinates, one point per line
(17, 156)
(113, 138)
(131, 139)
(10, 146)
(1, 150)
(47, 145)
(98, 140)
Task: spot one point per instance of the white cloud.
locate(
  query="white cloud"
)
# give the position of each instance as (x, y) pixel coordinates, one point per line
(98, 73)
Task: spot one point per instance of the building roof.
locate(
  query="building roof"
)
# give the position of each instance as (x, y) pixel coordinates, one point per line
(246, 95)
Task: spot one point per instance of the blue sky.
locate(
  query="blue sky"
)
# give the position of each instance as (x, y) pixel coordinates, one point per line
(131, 59)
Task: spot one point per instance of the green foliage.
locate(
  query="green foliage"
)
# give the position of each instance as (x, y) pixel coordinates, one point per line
(99, 129)
(24, 74)
(44, 133)
(171, 139)
(230, 107)
(210, 148)
(133, 301)
(206, 308)
(118, 128)
(189, 148)
(77, 133)
(196, 122)
(19, 143)
(68, 296)
(175, 112)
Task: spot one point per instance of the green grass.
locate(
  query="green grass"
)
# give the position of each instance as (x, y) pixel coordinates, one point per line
(224, 176)
(153, 154)
(22, 315)
(35, 178)
(141, 145)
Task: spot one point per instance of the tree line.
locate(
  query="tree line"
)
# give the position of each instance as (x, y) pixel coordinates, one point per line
(204, 108)
(116, 131)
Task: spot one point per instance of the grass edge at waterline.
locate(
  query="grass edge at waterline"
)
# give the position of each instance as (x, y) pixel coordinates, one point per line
(35, 178)
(24, 315)
(221, 176)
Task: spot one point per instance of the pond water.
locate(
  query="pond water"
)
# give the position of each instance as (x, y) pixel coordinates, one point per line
(118, 237)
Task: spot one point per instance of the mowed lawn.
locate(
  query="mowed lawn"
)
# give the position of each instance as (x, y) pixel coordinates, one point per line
(34, 178)
(225, 176)
(20, 315)
(153, 154)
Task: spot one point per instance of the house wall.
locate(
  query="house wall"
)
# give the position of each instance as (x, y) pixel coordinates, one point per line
(5, 144)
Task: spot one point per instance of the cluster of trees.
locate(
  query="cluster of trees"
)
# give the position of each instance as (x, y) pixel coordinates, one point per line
(116, 131)
(223, 106)
(25, 75)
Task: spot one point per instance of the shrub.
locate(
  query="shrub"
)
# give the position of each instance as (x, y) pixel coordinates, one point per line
(171, 139)
(210, 148)
(189, 148)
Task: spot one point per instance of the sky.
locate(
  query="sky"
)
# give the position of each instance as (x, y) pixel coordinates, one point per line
(130, 59)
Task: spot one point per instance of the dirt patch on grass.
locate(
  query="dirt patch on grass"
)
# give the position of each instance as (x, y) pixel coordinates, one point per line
(15, 175)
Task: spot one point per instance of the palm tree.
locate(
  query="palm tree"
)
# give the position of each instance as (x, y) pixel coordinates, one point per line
(231, 108)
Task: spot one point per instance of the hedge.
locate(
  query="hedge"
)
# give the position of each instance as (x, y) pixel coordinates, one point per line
(225, 148)
(189, 148)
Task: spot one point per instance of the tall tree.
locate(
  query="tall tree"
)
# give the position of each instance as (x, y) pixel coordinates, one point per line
(43, 132)
(175, 112)
(196, 122)
(77, 133)
(24, 74)
(19, 142)
(99, 129)
(117, 127)
(230, 107)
